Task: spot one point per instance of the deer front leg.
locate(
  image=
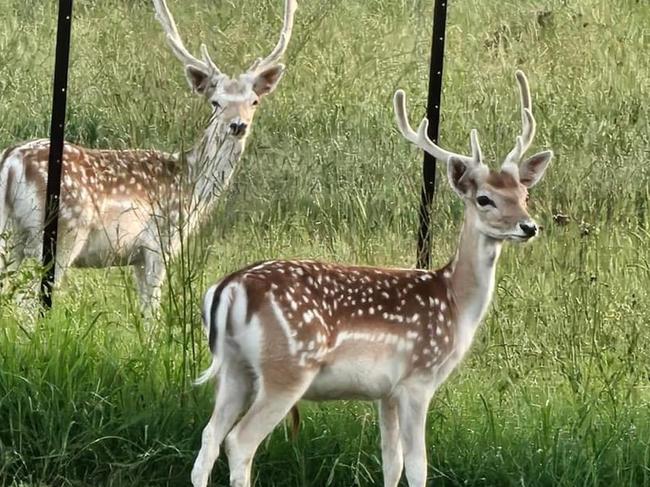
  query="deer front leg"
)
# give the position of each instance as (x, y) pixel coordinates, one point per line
(149, 277)
(391, 446)
(413, 403)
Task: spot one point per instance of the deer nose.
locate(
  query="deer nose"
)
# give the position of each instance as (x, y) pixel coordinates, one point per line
(530, 229)
(238, 129)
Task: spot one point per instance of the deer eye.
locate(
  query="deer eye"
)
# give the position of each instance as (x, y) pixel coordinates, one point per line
(256, 102)
(485, 201)
(215, 104)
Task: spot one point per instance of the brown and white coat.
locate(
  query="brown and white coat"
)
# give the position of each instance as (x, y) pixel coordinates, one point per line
(133, 207)
(281, 331)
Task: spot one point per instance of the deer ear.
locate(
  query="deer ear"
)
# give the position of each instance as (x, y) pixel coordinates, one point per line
(266, 81)
(460, 177)
(532, 169)
(200, 81)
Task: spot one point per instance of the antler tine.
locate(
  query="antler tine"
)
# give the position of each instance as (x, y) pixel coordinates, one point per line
(527, 119)
(290, 7)
(524, 91)
(477, 154)
(208, 60)
(528, 124)
(422, 140)
(164, 16)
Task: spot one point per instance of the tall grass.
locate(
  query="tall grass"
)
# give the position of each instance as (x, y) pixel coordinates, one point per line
(555, 390)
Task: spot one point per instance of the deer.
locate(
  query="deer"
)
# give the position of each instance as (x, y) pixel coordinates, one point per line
(284, 330)
(133, 207)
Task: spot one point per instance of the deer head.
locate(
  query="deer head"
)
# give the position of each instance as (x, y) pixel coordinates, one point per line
(234, 100)
(497, 198)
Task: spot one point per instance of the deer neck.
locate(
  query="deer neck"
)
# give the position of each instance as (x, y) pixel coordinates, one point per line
(473, 274)
(211, 164)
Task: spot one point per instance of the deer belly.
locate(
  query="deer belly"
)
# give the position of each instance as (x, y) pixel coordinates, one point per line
(100, 250)
(355, 375)
(116, 242)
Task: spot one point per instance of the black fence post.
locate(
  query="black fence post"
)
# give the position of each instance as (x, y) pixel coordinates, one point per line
(59, 98)
(433, 114)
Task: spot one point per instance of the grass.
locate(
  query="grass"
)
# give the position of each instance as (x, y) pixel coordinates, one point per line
(555, 390)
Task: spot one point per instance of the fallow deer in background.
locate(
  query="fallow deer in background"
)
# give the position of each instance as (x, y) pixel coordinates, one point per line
(131, 207)
(281, 331)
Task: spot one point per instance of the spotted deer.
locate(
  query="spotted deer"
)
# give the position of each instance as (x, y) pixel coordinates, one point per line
(132, 207)
(281, 331)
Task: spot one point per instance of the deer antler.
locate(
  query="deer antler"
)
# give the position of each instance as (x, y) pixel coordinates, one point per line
(528, 125)
(422, 140)
(165, 18)
(260, 64)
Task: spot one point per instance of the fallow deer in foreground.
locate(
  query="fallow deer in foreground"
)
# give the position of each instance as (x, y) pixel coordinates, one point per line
(131, 207)
(281, 331)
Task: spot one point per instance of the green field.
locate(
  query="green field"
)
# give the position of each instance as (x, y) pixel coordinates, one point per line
(555, 390)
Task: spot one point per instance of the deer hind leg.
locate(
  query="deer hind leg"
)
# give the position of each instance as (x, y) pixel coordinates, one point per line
(12, 249)
(391, 446)
(26, 244)
(5, 244)
(12, 255)
(271, 404)
(233, 392)
(70, 245)
(5, 223)
(149, 277)
(413, 403)
(25, 220)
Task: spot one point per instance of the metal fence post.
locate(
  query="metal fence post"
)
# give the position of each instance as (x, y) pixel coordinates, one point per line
(433, 114)
(59, 98)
